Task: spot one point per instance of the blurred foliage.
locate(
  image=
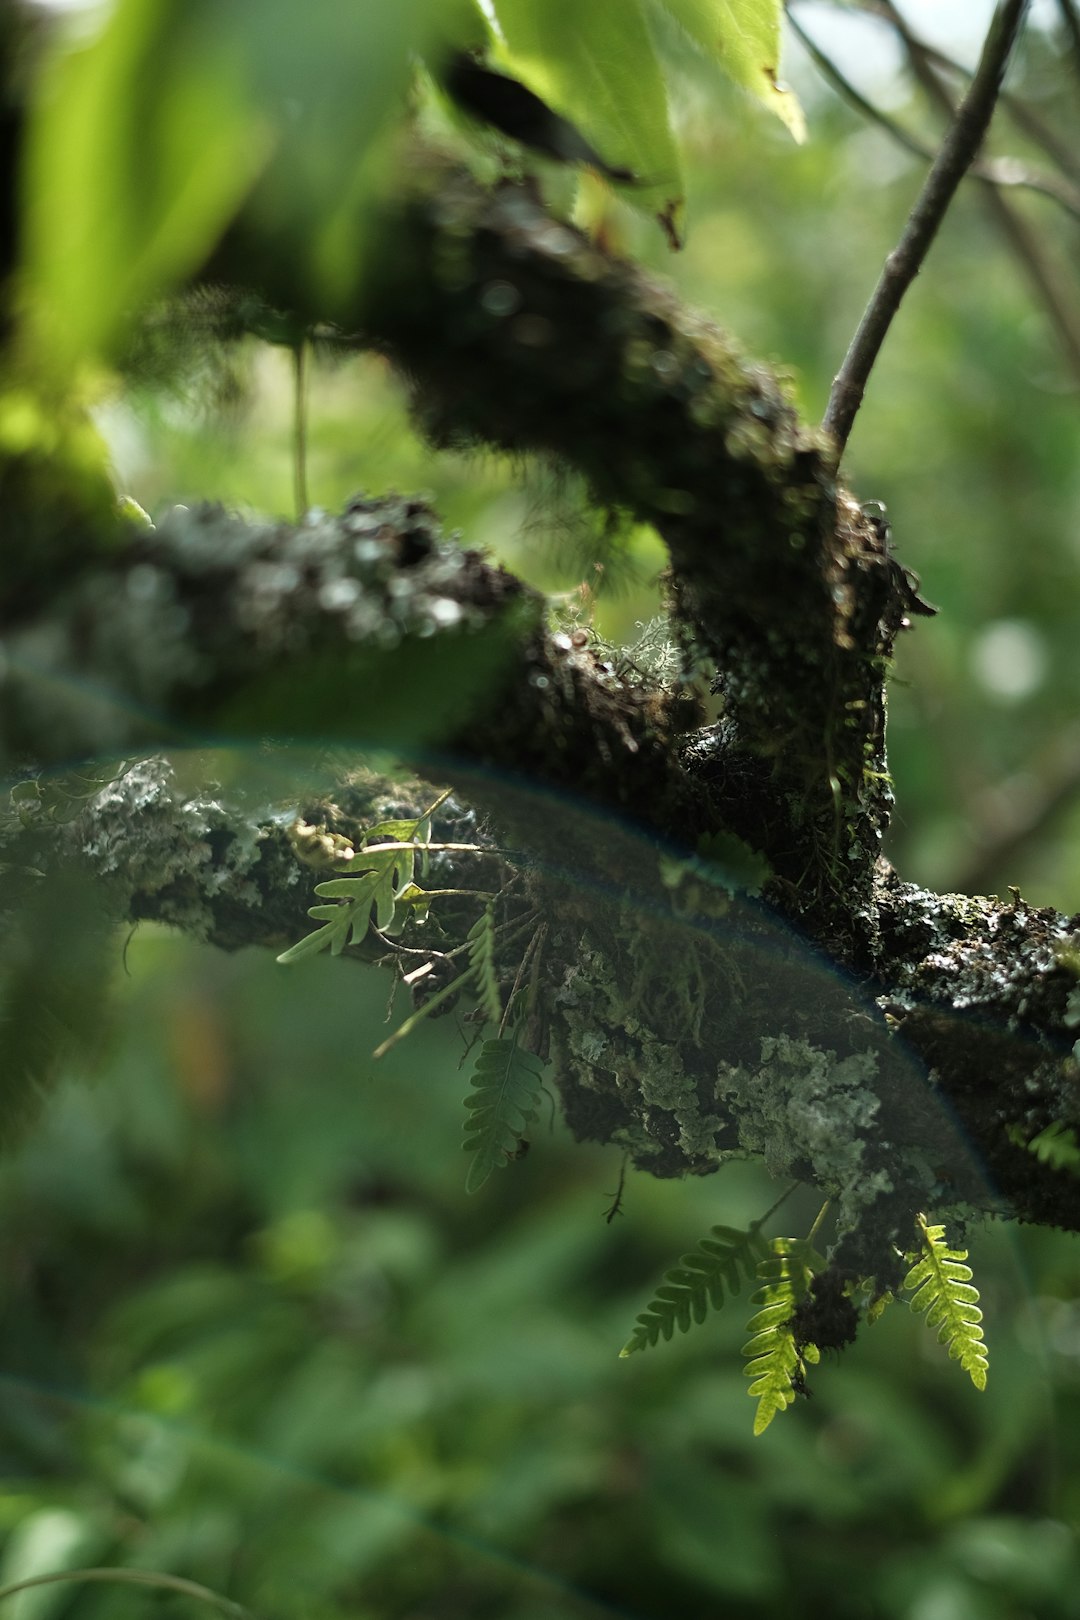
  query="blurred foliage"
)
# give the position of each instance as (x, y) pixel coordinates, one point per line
(257, 1334)
(254, 1331)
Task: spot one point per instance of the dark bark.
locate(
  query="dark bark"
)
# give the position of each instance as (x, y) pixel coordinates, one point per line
(895, 1048)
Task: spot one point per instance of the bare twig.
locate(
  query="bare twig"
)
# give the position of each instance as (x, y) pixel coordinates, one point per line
(902, 265)
(1020, 111)
(1024, 243)
(1002, 171)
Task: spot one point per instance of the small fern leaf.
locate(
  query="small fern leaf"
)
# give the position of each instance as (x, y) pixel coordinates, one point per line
(701, 1281)
(504, 1100)
(776, 1366)
(1056, 1146)
(482, 963)
(940, 1285)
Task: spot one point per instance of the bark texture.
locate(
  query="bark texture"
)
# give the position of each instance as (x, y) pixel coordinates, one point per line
(729, 966)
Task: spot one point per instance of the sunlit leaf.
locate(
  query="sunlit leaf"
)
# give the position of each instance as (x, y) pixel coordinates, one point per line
(145, 142)
(743, 36)
(597, 65)
(141, 146)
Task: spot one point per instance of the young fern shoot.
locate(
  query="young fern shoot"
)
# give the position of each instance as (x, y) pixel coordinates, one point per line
(940, 1283)
(777, 1362)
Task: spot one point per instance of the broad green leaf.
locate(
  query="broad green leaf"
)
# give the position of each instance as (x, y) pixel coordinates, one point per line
(596, 64)
(386, 873)
(142, 144)
(743, 36)
(145, 142)
(332, 936)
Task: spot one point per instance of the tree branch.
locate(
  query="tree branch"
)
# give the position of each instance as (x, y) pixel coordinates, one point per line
(957, 152)
(1002, 171)
(1022, 241)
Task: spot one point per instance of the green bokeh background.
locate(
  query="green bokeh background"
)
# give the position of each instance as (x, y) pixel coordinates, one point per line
(254, 1332)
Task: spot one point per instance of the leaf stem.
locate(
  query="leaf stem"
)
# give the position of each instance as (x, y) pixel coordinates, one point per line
(958, 151)
(1006, 172)
(772, 1209)
(821, 1214)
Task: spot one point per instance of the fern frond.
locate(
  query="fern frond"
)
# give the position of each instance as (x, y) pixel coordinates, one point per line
(503, 1102)
(776, 1365)
(878, 1304)
(1056, 1146)
(698, 1283)
(379, 886)
(940, 1284)
(481, 939)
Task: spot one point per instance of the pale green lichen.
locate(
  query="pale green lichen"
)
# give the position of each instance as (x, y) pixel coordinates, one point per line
(664, 1083)
(804, 1110)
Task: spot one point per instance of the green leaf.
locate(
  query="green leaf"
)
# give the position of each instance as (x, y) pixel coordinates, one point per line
(141, 146)
(332, 936)
(1056, 1146)
(387, 873)
(145, 142)
(700, 1282)
(504, 1100)
(596, 64)
(743, 36)
(381, 883)
(481, 939)
(777, 1365)
(940, 1283)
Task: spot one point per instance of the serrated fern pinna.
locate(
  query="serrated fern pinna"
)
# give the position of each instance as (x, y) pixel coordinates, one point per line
(699, 1282)
(940, 1283)
(503, 1102)
(777, 1362)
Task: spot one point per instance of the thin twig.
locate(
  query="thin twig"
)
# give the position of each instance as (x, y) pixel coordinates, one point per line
(1020, 111)
(1057, 300)
(132, 1577)
(959, 148)
(1001, 171)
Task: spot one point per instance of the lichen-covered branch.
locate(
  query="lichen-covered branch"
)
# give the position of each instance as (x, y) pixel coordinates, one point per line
(729, 968)
(517, 331)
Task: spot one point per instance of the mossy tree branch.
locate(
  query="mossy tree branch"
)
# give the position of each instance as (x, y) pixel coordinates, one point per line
(688, 1022)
